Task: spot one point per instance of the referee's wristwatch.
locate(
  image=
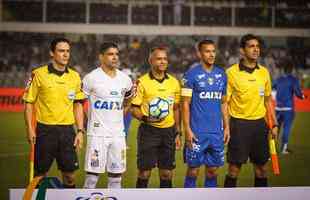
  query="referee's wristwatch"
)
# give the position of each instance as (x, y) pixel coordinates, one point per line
(81, 131)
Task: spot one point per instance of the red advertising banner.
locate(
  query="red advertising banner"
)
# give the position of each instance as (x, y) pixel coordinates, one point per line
(304, 104)
(11, 100)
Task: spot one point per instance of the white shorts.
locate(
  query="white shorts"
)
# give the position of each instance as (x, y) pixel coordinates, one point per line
(105, 154)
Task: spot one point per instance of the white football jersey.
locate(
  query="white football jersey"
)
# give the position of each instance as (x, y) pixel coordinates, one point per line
(106, 96)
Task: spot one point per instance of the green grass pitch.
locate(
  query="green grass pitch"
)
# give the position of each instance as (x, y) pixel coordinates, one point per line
(14, 159)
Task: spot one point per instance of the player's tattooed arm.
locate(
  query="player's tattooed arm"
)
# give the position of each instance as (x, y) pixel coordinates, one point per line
(127, 105)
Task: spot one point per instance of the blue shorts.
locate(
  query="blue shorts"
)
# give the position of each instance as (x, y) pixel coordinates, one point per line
(208, 150)
(127, 121)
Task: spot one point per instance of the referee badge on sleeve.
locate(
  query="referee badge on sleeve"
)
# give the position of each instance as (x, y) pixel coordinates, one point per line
(29, 81)
(71, 95)
(261, 92)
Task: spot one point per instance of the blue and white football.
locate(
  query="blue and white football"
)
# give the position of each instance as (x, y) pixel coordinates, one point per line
(158, 108)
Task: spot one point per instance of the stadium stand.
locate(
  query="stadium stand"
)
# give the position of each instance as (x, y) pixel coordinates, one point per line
(108, 13)
(212, 16)
(73, 12)
(252, 16)
(25, 50)
(22, 11)
(145, 14)
(293, 17)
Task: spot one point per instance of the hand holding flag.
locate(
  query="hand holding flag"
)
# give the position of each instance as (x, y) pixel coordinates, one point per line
(272, 146)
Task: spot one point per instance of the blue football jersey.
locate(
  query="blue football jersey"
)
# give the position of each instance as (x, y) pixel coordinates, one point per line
(207, 91)
(287, 86)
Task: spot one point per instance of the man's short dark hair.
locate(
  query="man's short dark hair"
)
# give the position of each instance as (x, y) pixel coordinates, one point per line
(204, 42)
(288, 66)
(247, 37)
(107, 45)
(56, 41)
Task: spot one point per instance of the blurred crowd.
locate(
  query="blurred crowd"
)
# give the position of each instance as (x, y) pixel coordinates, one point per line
(21, 52)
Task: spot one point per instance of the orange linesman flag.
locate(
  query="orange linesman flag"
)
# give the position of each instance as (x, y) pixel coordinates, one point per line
(272, 149)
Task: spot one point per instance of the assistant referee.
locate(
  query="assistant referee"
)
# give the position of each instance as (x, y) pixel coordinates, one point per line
(249, 98)
(157, 139)
(53, 95)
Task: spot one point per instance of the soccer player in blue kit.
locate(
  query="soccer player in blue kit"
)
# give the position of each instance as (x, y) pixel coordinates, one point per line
(287, 86)
(205, 116)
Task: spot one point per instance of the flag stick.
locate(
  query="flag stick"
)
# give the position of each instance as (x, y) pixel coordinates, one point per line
(32, 151)
(272, 147)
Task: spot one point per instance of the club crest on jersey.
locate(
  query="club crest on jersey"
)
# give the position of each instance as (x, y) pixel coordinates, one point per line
(114, 93)
(200, 76)
(202, 84)
(218, 75)
(210, 81)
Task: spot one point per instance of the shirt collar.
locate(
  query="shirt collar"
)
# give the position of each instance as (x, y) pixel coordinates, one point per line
(242, 67)
(205, 70)
(52, 69)
(159, 80)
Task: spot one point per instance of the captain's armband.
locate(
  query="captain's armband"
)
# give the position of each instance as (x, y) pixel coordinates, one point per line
(186, 92)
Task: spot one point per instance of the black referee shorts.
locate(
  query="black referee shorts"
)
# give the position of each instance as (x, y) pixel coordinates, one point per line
(156, 147)
(55, 142)
(248, 139)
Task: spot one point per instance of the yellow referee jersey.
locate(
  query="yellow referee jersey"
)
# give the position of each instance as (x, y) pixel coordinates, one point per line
(149, 88)
(53, 94)
(247, 90)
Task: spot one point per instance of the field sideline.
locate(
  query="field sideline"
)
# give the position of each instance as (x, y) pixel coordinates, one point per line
(14, 159)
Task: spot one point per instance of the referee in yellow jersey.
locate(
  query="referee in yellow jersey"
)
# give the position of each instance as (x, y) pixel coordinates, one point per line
(249, 98)
(53, 95)
(157, 139)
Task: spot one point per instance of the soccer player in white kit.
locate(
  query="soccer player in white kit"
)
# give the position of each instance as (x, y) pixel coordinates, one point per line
(108, 90)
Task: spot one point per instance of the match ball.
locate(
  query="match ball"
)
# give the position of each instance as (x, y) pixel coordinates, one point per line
(158, 108)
